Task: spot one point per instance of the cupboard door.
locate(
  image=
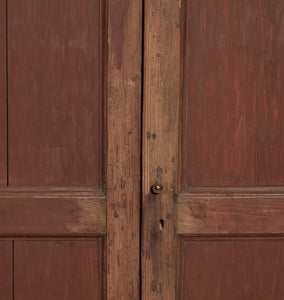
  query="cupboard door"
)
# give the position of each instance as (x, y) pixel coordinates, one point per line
(213, 137)
(70, 110)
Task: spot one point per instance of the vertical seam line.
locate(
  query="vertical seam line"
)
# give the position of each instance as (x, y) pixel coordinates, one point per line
(141, 142)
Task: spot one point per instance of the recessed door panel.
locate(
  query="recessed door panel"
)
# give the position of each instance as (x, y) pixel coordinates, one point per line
(61, 269)
(233, 125)
(233, 269)
(6, 270)
(55, 100)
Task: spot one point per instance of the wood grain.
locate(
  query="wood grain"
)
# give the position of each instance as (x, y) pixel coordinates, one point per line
(233, 125)
(233, 269)
(52, 212)
(55, 101)
(231, 212)
(3, 96)
(6, 270)
(57, 270)
(124, 147)
(160, 147)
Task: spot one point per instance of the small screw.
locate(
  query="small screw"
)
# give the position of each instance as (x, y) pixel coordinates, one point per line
(157, 188)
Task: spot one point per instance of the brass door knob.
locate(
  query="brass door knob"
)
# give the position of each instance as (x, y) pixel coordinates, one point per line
(157, 188)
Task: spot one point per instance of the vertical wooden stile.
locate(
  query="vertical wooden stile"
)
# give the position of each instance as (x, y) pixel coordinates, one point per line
(123, 162)
(160, 147)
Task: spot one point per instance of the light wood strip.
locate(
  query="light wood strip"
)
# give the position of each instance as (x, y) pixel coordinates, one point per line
(160, 147)
(123, 160)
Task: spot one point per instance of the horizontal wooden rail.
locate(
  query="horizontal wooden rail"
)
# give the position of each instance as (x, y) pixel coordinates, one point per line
(231, 211)
(52, 211)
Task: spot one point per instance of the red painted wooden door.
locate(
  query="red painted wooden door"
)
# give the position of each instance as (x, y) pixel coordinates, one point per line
(213, 137)
(70, 149)
(69, 118)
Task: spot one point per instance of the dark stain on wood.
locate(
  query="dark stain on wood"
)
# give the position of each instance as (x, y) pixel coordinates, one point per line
(159, 171)
(198, 211)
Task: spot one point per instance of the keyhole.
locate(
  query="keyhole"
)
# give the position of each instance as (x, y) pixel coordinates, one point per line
(161, 225)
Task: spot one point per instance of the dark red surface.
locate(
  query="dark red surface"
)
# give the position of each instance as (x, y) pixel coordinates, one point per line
(55, 113)
(233, 104)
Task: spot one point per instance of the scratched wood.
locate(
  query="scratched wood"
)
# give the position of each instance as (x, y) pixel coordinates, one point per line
(123, 161)
(55, 82)
(3, 96)
(6, 270)
(160, 147)
(61, 269)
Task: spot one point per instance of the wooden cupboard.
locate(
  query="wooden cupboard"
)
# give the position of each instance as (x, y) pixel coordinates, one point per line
(141, 149)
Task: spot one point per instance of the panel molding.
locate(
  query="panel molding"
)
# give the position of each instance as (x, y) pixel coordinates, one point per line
(51, 191)
(231, 211)
(52, 211)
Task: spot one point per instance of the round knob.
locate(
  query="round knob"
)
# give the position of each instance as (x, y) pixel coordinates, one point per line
(157, 188)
